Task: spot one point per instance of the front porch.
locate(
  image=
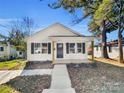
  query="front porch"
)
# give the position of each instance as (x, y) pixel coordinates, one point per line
(62, 49)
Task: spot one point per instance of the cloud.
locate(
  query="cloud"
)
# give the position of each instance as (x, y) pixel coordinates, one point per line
(6, 21)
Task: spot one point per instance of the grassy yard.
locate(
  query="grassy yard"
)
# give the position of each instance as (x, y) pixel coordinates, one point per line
(13, 64)
(7, 89)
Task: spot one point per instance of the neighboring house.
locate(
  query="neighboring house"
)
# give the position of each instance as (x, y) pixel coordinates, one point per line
(112, 48)
(7, 51)
(58, 43)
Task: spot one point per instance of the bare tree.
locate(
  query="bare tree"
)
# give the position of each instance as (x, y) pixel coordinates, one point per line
(18, 30)
(28, 25)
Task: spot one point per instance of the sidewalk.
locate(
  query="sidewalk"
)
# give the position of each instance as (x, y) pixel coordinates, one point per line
(6, 75)
(61, 82)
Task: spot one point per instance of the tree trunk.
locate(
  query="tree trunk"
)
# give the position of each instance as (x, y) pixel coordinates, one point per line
(120, 47)
(120, 37)
(104, 42)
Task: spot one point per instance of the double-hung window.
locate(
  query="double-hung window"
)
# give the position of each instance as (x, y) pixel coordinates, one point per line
(40, 48)
(37, 48)
(79, 47)
(44, 48)
(71, 47)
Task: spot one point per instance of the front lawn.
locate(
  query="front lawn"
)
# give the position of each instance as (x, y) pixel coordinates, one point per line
(7, 89)
(13, 64)
(27, 84)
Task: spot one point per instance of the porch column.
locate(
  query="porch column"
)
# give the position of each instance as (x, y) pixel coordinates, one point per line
(53, 53)
(92, 44)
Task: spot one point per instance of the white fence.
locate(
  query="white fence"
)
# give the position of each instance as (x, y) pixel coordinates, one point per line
(113, 52)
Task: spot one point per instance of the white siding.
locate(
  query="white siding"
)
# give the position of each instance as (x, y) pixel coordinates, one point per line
(56, 30)
(8, 51)
(3, 53)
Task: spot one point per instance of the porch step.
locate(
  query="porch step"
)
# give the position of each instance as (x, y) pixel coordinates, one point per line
(68, 90)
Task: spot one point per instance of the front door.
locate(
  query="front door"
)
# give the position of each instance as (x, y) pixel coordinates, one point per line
(59, 50)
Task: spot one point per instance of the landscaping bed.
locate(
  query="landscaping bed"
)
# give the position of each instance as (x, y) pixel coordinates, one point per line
(39, 65)
(12, 65)
(28, 84)
(96, 78)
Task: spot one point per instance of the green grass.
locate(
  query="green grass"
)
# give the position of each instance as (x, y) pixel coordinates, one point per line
(13, 64)
(7, 89)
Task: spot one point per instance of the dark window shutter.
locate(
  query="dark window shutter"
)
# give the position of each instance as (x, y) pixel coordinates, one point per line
(49, 48)
(2, 48)
(83, 48)
(67, 48)
(32, 48)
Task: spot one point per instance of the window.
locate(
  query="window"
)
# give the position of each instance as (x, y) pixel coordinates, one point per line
(1, 48)
(20, 53)
(72, 48)
(37, 48)
(79, 48)
(44, 48)
(75, 48)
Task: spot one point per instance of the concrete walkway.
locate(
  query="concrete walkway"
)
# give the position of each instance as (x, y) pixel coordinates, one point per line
(61, 82)
(6, 75)
(36, 72)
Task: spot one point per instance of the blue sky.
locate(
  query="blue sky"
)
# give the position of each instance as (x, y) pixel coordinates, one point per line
(42, 15)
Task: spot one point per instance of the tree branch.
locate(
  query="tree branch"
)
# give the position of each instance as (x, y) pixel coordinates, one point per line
(111, 23)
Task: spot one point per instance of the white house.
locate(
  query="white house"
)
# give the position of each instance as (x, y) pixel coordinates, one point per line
(7, 51)
(58, 43)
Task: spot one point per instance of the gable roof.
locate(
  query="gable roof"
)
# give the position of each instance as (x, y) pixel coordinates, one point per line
(69, 29)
